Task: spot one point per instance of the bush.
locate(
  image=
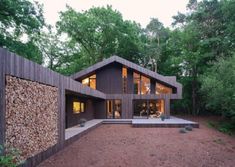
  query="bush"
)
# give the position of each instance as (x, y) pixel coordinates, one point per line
(9, 157)
(218, 87)
(225, 126)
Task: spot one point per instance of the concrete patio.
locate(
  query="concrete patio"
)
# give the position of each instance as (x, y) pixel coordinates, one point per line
(172, 122)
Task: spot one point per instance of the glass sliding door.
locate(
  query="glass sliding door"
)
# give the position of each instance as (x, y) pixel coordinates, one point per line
(156, 108)
(113, 109)
(140, 109)
(148, 108)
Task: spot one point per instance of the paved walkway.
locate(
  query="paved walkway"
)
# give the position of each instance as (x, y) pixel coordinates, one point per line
(75, 130)
(154, 122)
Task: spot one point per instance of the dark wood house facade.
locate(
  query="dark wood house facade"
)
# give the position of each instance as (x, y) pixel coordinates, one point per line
(131, 90)
(35, 101)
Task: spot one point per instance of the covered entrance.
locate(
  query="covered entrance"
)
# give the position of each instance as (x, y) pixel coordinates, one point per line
(113, 109)
(148, 108)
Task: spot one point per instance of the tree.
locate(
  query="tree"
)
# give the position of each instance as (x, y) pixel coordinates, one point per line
(156, 35)
(218, 87)
(20, 23)
(100, 33)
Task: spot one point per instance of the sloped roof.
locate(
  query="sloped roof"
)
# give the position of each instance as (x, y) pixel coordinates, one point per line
(170, 80)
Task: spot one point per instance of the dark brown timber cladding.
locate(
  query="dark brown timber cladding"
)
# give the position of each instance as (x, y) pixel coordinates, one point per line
(109, 79)
(73, 119)
(13, 65)
(2, 98)
(100, 109)
(167, 80)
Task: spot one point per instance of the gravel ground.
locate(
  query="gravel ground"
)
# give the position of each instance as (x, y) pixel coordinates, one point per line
(124, 146)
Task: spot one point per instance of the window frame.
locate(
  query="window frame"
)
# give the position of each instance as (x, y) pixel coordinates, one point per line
(139, 80)
(81, 109)
(124, 79)
(91, 77)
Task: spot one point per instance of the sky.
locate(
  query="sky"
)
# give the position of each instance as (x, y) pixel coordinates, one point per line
(140, 11)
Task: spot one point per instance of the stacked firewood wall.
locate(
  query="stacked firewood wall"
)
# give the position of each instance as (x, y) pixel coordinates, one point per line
(31, 116)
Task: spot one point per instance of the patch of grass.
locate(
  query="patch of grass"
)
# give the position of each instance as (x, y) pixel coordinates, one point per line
(226, 127)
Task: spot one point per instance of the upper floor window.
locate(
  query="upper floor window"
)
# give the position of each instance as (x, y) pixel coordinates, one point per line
(136, 83)
(141, 84)
(124, 80)
(145, 85)
(162, 89)
(90, 81)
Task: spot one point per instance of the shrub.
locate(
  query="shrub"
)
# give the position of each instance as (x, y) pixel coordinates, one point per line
(9, 157)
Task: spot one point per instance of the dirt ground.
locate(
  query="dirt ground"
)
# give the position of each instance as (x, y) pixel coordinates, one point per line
(124, 146)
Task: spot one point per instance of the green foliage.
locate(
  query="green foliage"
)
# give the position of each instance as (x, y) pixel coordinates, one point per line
(21, 20)
(99, 33)
(205, 34)
(218, 87)
(225, 126)
(9, 157)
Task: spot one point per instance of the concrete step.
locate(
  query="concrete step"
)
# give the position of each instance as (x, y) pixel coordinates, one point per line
(114, 121)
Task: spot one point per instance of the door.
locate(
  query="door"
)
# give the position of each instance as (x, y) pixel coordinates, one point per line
(113, 109)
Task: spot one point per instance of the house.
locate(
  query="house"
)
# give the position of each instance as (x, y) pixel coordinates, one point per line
(131, 91)
(37, 105)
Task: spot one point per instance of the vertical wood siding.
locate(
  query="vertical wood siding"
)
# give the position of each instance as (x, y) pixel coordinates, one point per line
(11, 64)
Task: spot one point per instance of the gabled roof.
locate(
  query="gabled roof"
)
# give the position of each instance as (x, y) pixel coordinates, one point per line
(169, 80)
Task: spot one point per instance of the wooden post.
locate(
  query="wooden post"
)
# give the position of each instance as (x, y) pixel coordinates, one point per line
(2, 96)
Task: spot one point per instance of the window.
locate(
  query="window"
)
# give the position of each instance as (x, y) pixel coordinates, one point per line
(136, 83)
(90, 81)
(162, 89)
(78, 107)
(145, 85)
(141, 84)
(148, 108)
(124, 80)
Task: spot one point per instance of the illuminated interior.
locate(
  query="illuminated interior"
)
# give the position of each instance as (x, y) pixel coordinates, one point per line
(113, 109)
(156, 108)
(162, 89)
(124, 72)
(148, 109)
(141, 84)
(90, 81)
(145, 85)
(136, 83)
(124, 79)
(78, 107)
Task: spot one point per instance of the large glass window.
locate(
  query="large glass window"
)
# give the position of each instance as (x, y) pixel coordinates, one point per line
(141, 84)
(90, 81)
(162, 89)
(124, 79)
(148, 108)
(145, 85)
(113, 108)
